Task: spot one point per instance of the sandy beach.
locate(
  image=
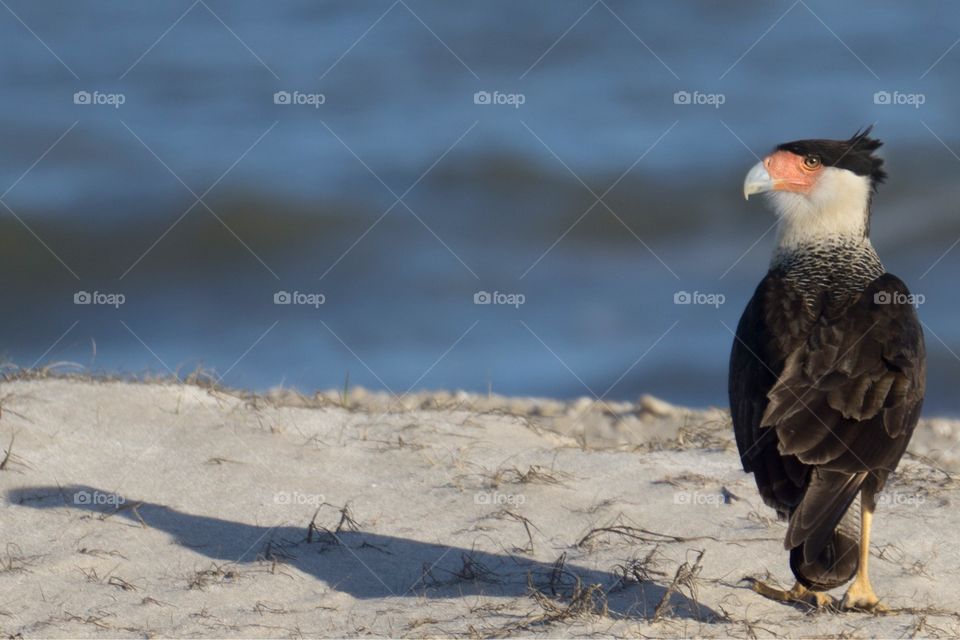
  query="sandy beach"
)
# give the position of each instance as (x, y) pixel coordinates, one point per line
(162, 509)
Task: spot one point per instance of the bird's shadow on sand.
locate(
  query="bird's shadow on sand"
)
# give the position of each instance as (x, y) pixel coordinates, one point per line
(371, 565)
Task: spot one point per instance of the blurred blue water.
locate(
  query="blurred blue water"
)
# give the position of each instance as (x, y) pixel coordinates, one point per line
(499, 197)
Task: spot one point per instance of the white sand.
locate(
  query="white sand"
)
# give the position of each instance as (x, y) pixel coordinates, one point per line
(458, 507)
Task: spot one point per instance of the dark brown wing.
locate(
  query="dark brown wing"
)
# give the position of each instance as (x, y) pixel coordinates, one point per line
(844, 400)
(775, 323)
(849, 398)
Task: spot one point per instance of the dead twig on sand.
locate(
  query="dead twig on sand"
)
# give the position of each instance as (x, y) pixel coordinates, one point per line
(638, 533)
(101, 553)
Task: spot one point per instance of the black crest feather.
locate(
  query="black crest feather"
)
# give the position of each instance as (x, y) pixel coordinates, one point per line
(855, 154)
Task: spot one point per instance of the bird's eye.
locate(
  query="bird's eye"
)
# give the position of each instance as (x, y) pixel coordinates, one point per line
(811, 162)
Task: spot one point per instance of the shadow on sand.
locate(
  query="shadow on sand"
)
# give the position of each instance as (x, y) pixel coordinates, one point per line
(371, 565)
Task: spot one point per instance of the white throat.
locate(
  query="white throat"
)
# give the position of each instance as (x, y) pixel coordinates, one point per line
(834, 211)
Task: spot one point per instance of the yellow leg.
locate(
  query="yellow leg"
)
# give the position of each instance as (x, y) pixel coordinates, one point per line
(860, 595)
(798, 593)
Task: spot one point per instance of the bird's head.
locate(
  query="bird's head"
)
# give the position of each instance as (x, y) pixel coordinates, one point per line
(820, 188)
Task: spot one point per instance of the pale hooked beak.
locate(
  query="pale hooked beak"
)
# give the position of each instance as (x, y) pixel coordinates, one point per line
(757, 181)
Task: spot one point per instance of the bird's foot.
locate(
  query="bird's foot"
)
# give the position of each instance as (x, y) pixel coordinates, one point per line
(860, 597)
(798, 594)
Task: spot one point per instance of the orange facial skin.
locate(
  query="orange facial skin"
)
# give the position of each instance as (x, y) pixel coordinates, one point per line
(790, 172)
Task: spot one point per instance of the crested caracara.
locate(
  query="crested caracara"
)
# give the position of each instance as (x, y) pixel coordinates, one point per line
(827, 371)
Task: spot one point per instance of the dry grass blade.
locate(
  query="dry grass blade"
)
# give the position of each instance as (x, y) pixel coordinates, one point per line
(685, 479)
(346, 523)
(101, 553)
(275, 554)
(636, 533)
(427, 578)
(262, 607)
(535, 474)
(217, 460)
(96, 619)
(527, 526)
(15, 561)
(214, 575)
(10, 458)
(473, 570)
(685, 578)
(584, 602)
(120, 583)
(133, 507)
(637, 571)
(7, 453)
(557, 573)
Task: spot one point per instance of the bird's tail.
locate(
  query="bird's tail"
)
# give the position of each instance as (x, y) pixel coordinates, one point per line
(824, 532)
